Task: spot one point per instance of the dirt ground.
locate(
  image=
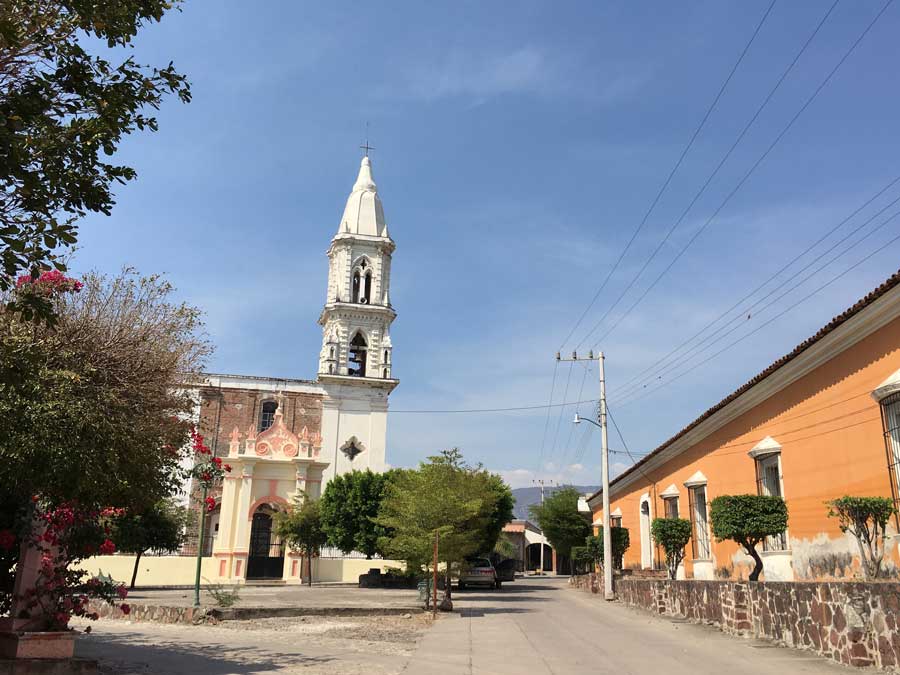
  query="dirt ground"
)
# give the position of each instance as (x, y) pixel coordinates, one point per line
(310, 645)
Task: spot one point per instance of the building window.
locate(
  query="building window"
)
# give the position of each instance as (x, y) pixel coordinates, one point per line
(671, 506)
(356, 286)
(699, 523)
(267, 414)
(890, 418)
(768, 482)
(368, 289)
(356, 365)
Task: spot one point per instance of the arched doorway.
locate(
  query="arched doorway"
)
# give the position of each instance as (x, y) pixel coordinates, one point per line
(646, 543)
(266, 554)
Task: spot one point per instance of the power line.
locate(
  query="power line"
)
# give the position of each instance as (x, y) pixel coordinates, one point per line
(642, 381)
(774, 318)
(675, 168)
(568, 444)
(490, 410)
(753, 168)
(547, 422)
(562, 411)
(713, 174)
(639, 376)
(792, 288)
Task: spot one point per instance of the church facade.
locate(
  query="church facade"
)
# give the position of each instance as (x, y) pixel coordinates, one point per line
(284, 436)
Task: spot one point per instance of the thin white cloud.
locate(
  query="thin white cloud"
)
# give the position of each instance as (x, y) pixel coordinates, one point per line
(479, 76)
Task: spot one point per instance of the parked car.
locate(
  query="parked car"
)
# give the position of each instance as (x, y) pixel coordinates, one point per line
(506, 569)
(479, 572)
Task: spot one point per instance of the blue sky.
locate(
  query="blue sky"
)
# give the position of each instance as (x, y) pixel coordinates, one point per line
(516, 152)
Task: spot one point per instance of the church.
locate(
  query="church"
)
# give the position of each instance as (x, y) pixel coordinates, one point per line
(280, 435)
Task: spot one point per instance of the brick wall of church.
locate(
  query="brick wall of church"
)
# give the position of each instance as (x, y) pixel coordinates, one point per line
(223, 409)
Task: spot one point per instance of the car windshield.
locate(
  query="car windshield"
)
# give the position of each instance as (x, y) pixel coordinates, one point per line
(479, 562)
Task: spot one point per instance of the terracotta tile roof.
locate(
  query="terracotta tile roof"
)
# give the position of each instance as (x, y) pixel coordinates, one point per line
(881, 290)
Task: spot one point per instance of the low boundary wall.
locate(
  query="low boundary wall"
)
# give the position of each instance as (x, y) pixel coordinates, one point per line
(857, 624)
(175, 570)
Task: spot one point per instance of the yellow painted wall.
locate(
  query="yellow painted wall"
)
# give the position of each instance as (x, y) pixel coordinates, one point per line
(174, 570)
(832, 442)
(180, 570)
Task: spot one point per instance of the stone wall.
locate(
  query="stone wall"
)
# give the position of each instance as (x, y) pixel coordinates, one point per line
(857, 624)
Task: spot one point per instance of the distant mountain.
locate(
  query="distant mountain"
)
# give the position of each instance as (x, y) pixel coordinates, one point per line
(527, 496)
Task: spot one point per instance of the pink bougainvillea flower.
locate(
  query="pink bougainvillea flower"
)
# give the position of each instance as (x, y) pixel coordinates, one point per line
(122, 592)
(126, 609)
(107, 547)
(227, 468)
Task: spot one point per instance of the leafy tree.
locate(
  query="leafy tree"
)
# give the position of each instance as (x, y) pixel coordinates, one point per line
(620, 543)
(748, 520)
(866, 519)
(560, 521)
(158, 528)
(91, 406)
(349, 505)
(64, 111)
(594, 547)
(301, 528)
(505, 547)
(500, 514)
(673, 534)
(444, 497)
(582, 559)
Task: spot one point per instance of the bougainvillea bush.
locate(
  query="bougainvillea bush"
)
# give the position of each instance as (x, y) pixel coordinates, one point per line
(93, 406)
(63, 535)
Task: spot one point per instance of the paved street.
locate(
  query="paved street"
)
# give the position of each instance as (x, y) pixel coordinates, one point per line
(535, 626)
(540, 626)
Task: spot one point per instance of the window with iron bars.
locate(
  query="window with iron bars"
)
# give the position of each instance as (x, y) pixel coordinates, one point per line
(768, 482)
(890, 422)
(699, 523)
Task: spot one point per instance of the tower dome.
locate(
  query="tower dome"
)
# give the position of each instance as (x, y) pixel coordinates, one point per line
(364, 213)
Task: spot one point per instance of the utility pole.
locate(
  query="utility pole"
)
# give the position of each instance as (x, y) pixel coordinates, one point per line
(434, 578)
(543, 538)
(604, 456)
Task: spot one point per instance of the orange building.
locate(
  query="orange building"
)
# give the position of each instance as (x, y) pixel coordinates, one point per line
(819, 423)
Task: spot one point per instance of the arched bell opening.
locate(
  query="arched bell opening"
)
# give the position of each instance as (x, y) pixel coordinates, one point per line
(356, 361)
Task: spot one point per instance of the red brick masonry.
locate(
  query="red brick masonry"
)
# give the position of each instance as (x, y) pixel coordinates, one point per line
(857, 624)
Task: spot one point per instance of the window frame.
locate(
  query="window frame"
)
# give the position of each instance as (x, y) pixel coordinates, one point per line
(889, 407)
(263, 415)
(695, 540)
(779, 542)
(667, 502)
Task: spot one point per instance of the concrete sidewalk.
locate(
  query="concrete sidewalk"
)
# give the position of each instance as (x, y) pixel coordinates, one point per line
(540, 626)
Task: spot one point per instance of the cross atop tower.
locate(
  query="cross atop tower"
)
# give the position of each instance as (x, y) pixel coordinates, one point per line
(366, 147)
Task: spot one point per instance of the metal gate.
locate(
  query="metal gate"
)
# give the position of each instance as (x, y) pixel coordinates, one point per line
(266, 555)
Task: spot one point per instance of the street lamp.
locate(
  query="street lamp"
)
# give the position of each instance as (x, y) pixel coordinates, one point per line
(604, 454)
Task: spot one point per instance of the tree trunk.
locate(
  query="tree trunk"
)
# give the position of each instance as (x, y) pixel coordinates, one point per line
(758, 568)
(447, 603)
(309, 570)
(137, 560)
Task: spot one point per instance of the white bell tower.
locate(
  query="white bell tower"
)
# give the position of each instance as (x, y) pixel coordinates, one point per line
(355, 361)
(356, 320)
